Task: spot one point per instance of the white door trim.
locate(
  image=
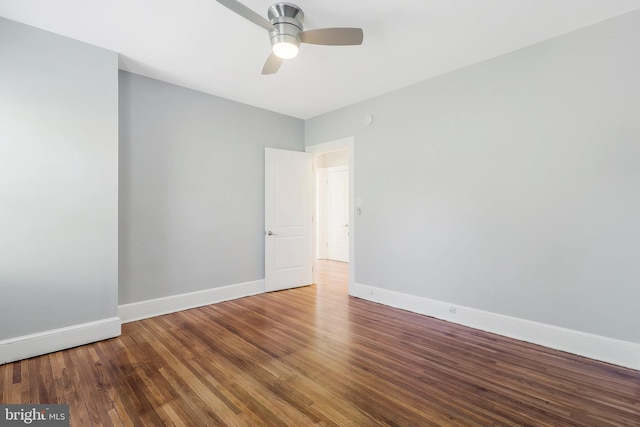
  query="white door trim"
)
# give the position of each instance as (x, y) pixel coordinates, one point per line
(340, 144)
(337, 168)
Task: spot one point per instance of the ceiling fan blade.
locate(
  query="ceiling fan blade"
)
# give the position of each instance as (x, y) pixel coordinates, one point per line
(333, 36)
(272, 65)
(246, 13)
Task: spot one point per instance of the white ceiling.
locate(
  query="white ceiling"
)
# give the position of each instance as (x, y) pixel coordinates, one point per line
(202, 45)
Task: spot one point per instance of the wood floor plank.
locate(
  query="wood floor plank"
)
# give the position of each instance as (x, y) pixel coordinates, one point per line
(315, 356)
(6, 383)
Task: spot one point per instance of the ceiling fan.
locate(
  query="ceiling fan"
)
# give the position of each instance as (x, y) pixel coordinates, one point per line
(286, 31)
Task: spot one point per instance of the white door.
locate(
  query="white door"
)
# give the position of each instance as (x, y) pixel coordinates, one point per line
(288, 219)
(338, 236)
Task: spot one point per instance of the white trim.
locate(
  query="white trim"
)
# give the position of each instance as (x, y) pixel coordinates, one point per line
(326, 147)
(610, 350)
(340, 144)
(156, 307)
(26, 346)
(343, 168)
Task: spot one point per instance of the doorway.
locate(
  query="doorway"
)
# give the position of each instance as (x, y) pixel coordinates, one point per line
(332, 205)
(334, 231)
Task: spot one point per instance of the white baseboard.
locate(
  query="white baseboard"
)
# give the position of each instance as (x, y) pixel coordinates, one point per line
(156, 307)
(32, 345)
(617, 352)
(27, 346)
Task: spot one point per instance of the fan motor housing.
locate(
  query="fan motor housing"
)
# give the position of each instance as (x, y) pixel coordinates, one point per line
(287, 21)
(285, 10)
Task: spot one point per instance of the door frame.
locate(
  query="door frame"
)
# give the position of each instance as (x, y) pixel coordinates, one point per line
(325, 147)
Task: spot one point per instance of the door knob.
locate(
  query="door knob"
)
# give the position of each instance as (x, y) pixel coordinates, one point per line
(271, 234)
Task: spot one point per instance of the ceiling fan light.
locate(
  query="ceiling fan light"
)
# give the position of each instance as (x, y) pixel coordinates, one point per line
(285, 50)
(285, 46)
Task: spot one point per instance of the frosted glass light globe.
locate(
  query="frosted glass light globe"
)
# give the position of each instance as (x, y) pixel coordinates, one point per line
(285, 50)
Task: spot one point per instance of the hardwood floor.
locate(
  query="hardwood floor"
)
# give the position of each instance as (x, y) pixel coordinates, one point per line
(315, 356)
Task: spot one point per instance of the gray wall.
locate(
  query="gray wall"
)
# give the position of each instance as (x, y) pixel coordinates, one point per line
(511, 186)
(192, 188)
(58, 181)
